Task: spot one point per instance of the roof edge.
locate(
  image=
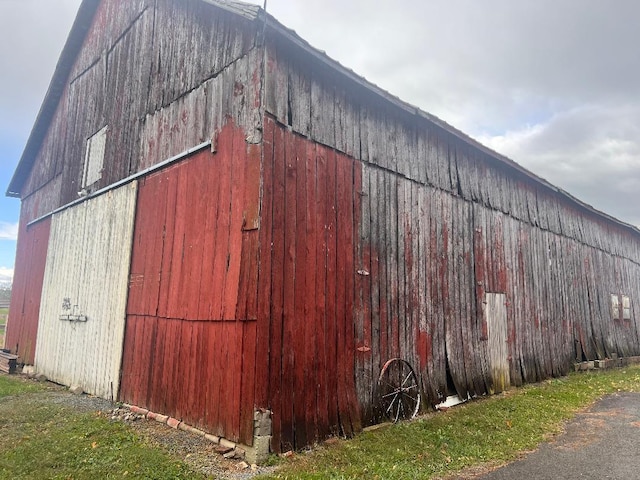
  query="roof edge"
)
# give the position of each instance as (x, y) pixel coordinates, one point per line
(81, 26)
(320, 55)
(72, 46)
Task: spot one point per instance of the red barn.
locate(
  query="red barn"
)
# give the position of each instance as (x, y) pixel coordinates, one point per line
(222, 224)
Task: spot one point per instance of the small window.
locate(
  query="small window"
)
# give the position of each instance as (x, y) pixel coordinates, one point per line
(626, 308)
(94, 158)
(620, 307)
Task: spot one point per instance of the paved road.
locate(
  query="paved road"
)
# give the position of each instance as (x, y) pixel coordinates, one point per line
(602, 443)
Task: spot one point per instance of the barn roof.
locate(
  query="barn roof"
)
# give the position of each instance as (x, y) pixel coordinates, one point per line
(251, 12)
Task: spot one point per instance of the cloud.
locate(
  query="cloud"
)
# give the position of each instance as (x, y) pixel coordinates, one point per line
(32, 34)
(592, 152)
(6, 276)
(558, 93)
(8, 231)
(553, 85)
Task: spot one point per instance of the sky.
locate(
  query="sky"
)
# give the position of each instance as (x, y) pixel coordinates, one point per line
(553, 85)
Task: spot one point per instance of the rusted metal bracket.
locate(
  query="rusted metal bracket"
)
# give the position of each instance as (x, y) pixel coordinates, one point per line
(74, 318)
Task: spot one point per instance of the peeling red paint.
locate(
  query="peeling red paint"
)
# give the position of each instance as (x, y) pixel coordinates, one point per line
(31, 255)
(192, 306)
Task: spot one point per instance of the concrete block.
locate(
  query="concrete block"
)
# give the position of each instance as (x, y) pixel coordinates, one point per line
(259, 452)
(157, 417)
(138, 410)
(161, 418)
(263, 429)
(76, 389)
(190, 429)
(262, 423)
(173, 422)
(212, 438)
(227, 443)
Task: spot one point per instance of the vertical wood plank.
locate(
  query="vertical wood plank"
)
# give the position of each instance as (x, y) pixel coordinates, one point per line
(265, 281)
(336, 391)
(298, 318)
(277, 351)
(288, 366)
(325, 396)
(310, 318)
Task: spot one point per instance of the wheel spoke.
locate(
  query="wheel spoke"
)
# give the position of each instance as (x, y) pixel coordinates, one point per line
(391, 404)
(390, 385)
(398, 411)
(399, 392)
(412, 399)
(395, 392)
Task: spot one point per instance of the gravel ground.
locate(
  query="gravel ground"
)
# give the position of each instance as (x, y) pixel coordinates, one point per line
(199, 453)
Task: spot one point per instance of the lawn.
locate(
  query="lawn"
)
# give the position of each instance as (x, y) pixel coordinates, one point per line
(45, 439)
(51, 440)
(489, 432)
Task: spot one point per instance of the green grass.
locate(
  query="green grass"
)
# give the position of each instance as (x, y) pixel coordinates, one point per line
(16, 386)
(490, 431)
(46, 440)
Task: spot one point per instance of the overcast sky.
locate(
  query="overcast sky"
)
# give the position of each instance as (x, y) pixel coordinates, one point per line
(554, 85)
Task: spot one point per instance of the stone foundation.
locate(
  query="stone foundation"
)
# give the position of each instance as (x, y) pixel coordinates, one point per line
(255, 454)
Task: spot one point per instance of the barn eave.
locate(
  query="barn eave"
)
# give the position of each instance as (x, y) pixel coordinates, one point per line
(251, 12)
(421, 115)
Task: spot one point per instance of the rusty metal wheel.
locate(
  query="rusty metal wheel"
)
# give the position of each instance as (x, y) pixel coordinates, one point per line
(398, 390)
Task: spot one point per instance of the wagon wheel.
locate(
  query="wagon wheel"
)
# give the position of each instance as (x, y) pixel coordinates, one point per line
(399, 391)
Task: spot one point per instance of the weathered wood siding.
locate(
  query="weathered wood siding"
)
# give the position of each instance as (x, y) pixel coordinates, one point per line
(431, 258)
(163, 76)
(305, 306)
(191, 317)
(444, 223)
(22, 324)
(331, 229)
(86, 275)
(495, 315)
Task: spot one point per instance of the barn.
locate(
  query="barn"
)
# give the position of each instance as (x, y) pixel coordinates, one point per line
(221, 224)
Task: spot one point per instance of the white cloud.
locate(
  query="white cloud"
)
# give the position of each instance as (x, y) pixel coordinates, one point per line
(6, 276)
(558, 93)
(592, 152)
(8, 231)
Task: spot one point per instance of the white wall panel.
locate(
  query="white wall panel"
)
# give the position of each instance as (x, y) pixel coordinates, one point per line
(82, 316)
